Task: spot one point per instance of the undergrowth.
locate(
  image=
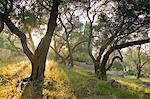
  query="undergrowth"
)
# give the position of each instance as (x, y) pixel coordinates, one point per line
(63, 83)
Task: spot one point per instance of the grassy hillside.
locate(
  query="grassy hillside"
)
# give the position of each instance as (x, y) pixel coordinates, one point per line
(85, 85)
(62, 82)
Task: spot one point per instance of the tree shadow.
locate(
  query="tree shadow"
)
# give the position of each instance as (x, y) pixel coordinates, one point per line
(32, 90)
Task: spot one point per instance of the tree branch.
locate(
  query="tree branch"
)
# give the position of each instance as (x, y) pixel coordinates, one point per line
(143, 64)
(91, 30)
(78, 45)
(20, 34)
(106, 56)
(44, 6)
(60, 36)
(63, 25)
(57, 52)
(139, 42)
(45, 41)
(19, 51)
(116, 57)
(104, 46)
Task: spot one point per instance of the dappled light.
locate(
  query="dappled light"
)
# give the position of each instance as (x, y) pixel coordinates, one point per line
(61, 82)
(136, 84)
(55, 84)
(74, 49)
(10, 75)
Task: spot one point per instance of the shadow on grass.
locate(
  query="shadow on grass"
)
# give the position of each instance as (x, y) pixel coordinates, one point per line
(32, 90)
(146, 83)
(86, 85)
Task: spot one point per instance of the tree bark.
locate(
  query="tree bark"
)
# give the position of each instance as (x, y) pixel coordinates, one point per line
(138, 73)
(100, 71)
(34, 72)
(38, 68)
(40, 55)
(96, 67)
(102, 74)
(38, 59)
(31, 41)
(55, 49)
(68, 33)
(70, 54)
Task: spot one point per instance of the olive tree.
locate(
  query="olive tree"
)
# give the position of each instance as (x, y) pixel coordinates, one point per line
(113, 25)
(38, 58)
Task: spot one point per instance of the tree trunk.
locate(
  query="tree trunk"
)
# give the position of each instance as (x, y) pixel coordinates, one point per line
(31, 41)
(138, 73)
(102, 74)
(38, 68)
(96, 67)
(41, 70)
(100, 71)
(71, 60)
(38, 59)
(56, 49)
(70, 54)
(34, 73)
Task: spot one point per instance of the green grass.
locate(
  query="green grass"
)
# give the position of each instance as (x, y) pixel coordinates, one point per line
(85, 85)
(11, 60)
(142, 84)
(62, 82)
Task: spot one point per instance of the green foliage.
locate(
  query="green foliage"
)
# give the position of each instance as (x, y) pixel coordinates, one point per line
(118, 65)
(11, 60)
(131, 72)
(51, 54)
(86, 85)
(140, 85)
(82, 56)
(131, 60)
(62, 82)
(4, 43)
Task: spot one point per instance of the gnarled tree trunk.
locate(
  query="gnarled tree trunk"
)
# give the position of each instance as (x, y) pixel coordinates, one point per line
(100, 71)
(38, 59)
(70, 55)
(102, 74)
(38, 68)
(138, 74)
(96, 67)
